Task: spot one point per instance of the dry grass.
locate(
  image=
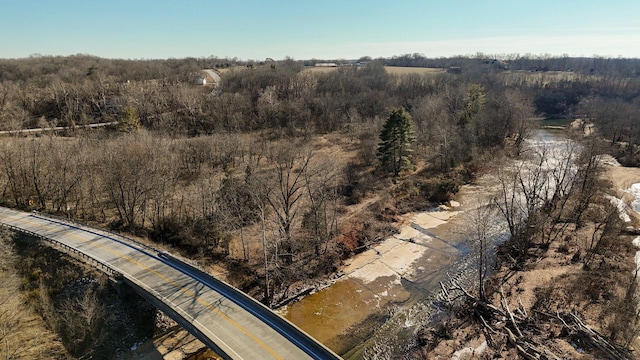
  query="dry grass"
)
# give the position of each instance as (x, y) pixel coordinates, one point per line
(541, 78)
(553, 282)
(392, 70)
(570, 275)
(622, 177)
(403, 70)
(24, 334)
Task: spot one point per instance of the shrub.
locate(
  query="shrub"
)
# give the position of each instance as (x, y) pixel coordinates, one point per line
(439, 190)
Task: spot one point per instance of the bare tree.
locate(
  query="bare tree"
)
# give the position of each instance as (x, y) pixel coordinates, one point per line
(509, 201)
(129, 169)
(259, 197)
(533, 188)
(291, 163)
(606, 219)
(238, 207)
(562, 180)
(165, 204)
(9, 301)
(81, 321)
(12, 167)
(320, 220)
(69, 165)
(588, 180)
(483, 228)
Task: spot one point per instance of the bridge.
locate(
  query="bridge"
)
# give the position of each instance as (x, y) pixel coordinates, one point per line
(226, 320)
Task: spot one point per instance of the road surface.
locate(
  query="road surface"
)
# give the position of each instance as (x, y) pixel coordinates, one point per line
(57, 128)
(222, 317)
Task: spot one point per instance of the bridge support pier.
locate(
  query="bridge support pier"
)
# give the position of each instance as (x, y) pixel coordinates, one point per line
(122, 288)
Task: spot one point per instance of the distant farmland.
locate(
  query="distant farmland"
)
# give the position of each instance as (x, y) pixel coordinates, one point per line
(393, 70)
(402, 70)
(541, 78)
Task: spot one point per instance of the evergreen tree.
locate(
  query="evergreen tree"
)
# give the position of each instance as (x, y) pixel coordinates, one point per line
(396, 138)
(475, 101)
(129, 121)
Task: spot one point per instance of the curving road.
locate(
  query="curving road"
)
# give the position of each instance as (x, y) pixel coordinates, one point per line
(57, 128)
(222, 317)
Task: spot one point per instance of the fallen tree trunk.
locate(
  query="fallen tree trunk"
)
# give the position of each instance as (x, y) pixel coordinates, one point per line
(522, 330)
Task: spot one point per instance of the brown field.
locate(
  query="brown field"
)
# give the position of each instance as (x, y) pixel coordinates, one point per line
(229, 69)
(393, 70)
(403, 70)
(520, 77)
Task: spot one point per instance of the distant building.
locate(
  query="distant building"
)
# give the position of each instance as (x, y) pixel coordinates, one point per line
(201, 81)
(326, 65)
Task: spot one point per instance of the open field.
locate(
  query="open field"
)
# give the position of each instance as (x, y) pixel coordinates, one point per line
(393, 70)
(539, 77)
(402, 70)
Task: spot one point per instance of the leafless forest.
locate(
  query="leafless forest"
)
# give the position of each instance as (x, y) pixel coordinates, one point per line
(273, 173)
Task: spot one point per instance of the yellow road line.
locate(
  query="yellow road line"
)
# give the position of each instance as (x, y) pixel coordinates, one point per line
(168, 280)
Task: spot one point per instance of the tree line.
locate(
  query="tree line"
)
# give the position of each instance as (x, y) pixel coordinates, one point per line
(201, 167)
(595, 65)
(53, 91)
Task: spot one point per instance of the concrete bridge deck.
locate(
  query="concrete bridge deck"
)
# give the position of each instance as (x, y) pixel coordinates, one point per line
(222, 317)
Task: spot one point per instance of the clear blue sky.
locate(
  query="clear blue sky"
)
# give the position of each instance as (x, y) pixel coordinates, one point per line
(303, 29)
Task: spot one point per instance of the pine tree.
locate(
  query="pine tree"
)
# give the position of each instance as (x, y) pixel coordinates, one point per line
(396, 138)
(130, 121)
(475, 101)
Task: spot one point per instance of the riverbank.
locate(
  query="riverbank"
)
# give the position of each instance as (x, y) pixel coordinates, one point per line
(374, 282)
(384, 294)
(573, 299)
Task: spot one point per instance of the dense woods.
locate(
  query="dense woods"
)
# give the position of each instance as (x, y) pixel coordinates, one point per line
(282, 169)
(266, 170)
(198, 166)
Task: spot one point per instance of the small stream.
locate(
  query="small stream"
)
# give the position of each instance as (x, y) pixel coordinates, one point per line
(389, 292)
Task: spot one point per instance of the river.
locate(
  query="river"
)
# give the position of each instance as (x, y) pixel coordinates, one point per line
(389, 292)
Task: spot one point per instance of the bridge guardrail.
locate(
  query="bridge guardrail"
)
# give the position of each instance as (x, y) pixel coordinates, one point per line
(121, 237)
(248, 304)
(100, 265)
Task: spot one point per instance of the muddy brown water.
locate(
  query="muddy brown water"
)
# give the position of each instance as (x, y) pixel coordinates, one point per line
(388, 293)
(348, 316)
